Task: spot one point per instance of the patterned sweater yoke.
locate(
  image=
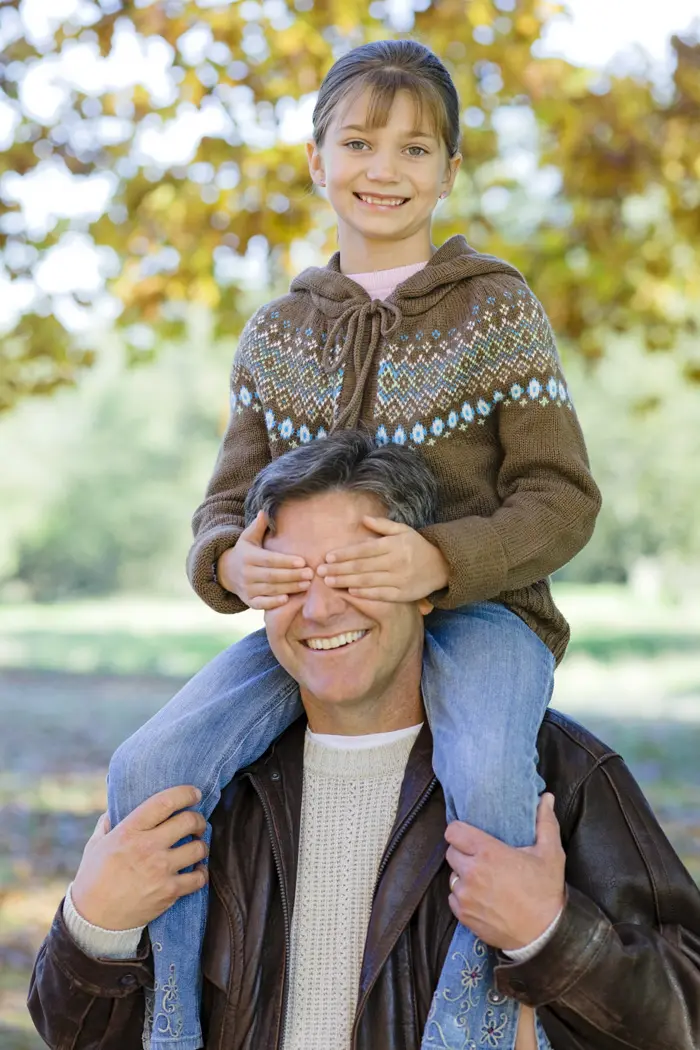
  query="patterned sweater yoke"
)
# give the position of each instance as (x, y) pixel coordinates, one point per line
(459, 364)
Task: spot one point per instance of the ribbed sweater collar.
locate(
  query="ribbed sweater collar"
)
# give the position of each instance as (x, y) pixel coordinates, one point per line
(365, 764)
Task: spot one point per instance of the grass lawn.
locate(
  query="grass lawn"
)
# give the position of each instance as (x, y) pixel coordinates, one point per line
(76, 679)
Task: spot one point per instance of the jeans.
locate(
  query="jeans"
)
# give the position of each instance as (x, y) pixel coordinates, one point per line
(487, 680)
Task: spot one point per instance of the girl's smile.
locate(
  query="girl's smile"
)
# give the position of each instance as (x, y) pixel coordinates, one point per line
(380, 203)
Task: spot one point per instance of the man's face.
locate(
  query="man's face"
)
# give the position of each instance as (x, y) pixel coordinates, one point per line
(350, 656)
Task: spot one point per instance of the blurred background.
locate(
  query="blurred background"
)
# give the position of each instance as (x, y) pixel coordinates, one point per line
(153, 192)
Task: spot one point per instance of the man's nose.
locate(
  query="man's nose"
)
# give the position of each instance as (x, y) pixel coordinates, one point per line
(322, 602)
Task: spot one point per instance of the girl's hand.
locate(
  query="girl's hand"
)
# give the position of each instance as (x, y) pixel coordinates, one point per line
(399, 567)
(260, 578)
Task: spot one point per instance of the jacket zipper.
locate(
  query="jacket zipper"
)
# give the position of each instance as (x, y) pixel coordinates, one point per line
(400, 832)
(285, 912)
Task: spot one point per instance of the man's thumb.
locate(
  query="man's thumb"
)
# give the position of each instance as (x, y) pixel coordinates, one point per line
(103, 826)
(547, 830)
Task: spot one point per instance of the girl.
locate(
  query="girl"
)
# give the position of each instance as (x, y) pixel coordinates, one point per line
(451, 354)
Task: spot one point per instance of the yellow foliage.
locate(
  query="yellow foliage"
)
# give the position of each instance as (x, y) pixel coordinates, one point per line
(527, 25)
(608, 143)
(163, 197)
(479, 12)
(206, 291)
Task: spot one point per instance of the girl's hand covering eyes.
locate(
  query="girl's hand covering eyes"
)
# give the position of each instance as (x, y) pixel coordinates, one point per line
(400, 566)
(261, 578)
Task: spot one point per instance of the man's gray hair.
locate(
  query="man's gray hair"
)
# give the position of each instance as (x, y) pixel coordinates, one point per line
(348, 461)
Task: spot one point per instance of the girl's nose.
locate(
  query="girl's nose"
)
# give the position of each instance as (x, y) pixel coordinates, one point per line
(382, 166)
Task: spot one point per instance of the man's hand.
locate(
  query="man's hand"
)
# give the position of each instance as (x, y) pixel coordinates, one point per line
(507, 896)
(261, 578)
(129, 875)
(400, 567)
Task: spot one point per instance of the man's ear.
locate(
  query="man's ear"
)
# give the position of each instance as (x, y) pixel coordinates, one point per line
(425, 607)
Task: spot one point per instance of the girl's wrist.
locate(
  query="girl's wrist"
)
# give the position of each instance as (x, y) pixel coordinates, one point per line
(221, 576)
(442, 571)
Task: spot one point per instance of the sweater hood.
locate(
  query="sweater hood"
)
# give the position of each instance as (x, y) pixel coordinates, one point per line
(358, 324)
(455, 261)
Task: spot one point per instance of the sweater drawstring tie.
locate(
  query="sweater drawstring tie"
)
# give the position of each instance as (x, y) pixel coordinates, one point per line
(385, 318)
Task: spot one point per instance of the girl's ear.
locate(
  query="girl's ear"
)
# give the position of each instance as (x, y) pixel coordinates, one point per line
(315, 164)
(454, 165)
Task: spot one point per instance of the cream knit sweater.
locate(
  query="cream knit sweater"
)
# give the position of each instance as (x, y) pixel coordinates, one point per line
(348, 809)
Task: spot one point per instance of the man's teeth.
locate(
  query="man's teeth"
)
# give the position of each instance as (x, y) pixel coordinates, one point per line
(335, 642)
(392, 201)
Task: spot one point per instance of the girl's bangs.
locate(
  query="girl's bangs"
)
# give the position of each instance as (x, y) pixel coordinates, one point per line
(383, 86)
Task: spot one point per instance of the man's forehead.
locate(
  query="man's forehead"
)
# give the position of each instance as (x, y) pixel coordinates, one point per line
(312, 527)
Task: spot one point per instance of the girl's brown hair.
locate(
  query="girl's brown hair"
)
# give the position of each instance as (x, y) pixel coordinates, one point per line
(385, 67)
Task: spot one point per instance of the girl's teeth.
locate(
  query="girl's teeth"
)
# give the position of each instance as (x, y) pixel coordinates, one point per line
(375, 200)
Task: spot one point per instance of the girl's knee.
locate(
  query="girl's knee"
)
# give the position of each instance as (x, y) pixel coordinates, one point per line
(119, 777)
(131, 778)
(120, 765)
(139, 769)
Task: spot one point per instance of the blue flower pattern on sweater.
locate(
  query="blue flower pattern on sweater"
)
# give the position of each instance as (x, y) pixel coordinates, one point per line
(428, 384)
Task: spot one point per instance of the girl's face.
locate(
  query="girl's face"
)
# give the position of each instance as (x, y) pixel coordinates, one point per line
(383, 184)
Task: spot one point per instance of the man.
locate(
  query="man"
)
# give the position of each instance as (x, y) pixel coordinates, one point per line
(331, 895)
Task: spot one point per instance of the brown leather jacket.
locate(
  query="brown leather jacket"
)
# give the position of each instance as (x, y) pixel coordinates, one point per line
(621, 971)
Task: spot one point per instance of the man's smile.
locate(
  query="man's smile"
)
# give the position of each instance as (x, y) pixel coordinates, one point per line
(335, 641)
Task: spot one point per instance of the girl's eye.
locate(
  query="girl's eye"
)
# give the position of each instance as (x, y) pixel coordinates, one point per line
(359, 142)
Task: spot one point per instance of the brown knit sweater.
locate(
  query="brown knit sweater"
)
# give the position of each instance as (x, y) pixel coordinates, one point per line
(460, 364)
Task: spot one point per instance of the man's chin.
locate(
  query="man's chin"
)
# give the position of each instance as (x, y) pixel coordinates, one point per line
(332, 696)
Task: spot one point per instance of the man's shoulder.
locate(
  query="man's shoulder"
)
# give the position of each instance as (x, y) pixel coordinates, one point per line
(286, 750)
(569, 753)
(565, 732)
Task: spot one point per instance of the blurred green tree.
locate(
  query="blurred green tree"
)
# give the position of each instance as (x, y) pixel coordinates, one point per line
(638, 411)
(611, 246)
(106, 476)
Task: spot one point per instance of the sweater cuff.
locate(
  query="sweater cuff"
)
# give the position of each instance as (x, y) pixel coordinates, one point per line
(476, 561)
(96, 941)
(575, 944)
(201, 569)
(529, 951)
